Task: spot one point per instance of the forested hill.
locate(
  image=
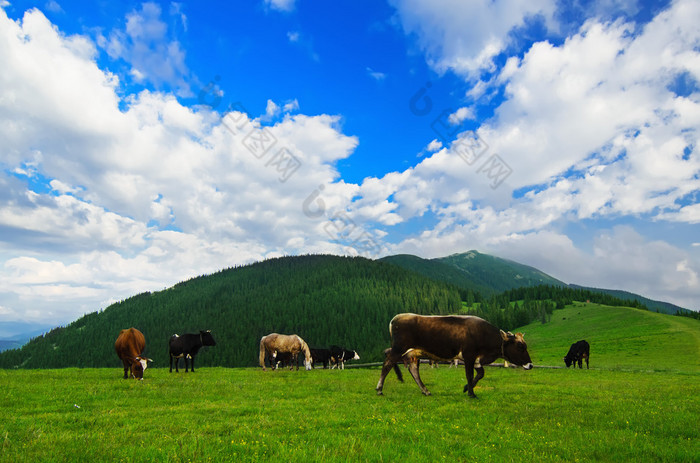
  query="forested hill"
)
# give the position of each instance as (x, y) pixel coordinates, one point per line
(325, 299)
(477, 272)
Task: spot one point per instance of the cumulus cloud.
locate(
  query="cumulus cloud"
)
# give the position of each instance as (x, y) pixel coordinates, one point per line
(466, 37)
(149, 47)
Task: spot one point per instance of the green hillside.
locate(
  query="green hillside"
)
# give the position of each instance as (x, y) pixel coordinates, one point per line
(324, 299)
(496, 273)
(620, 338)
(651, 304)
(477, 272)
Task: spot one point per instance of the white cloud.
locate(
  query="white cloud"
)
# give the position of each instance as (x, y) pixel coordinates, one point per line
(147, 45)
(291, 106)
(461, 115)
(280, 5)
(466, 36)
(378, 76)
(434, 146)
(51, 5)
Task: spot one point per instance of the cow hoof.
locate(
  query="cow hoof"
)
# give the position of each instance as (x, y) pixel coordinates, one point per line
(380, 393)
(426, 393)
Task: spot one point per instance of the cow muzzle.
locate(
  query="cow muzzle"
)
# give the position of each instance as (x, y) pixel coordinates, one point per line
(528, 366)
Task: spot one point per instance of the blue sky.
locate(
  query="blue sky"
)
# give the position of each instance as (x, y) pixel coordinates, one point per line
(143, 143)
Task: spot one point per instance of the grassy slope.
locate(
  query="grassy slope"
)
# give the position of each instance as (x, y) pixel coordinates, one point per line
(620, 337)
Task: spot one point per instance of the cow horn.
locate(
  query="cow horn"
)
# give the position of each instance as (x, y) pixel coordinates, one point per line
(504, 335)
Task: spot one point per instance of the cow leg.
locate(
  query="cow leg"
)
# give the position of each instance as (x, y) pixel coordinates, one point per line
(469, 370)
(192, 363)
(413, 365)
(295, 361)
(586, 362)
(390, 362)
(127, 369)
(479, 375)
(171, 363)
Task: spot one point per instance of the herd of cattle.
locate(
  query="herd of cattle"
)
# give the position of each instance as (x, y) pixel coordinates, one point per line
(446, 338)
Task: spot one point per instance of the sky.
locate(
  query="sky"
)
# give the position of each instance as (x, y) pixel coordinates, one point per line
(146, 143)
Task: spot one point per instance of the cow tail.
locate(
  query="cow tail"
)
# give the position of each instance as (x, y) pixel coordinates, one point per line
(262, 352)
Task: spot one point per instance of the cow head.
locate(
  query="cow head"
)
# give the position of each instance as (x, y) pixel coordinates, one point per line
(515, 349)
(207, 338)
(568, 361)
(138, 366)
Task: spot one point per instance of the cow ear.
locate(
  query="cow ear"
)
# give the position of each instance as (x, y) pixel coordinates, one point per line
(149, 360)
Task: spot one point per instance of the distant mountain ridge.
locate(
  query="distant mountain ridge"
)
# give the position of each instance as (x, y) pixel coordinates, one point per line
(489, 275)
(475, 271)
(653, 305)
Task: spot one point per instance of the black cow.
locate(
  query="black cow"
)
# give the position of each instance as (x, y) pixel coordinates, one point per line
(284, 359)
(577, 352)
(340, 355)
(320, 355)
(471, 339)
(187, 346)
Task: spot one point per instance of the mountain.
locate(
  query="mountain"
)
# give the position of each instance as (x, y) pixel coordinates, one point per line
(325, 299)
(14, 335)
(475, 271)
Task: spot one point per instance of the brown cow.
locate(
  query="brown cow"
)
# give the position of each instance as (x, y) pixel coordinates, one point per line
(129, 346)
(274, 343)
(470, 339)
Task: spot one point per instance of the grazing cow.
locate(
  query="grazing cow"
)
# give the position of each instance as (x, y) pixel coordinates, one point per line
(187, 346)
(320, 355)
(577, 352)
(129, 346)
(274, 344)
(471, 339)
(340, 355)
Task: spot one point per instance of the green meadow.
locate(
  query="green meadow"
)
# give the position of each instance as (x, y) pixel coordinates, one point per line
(640, 401)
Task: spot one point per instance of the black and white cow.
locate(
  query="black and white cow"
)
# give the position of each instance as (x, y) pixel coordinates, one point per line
(340, 355)
(577, 352)
(186, 346)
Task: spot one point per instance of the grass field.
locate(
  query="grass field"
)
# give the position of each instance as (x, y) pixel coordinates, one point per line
(644, 410)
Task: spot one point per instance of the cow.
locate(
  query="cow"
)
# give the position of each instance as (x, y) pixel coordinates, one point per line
(274, 344)
(129, 346)
(187, 346)
(340, 355)
(471, 339)
(320, 355)
(577, 352)
(283, 359)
